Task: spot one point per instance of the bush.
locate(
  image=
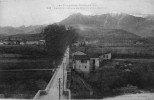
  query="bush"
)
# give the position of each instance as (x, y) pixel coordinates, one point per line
(111, 79)
(41, 84)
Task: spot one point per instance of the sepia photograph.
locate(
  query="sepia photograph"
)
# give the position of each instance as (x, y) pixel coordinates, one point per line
(76, 49)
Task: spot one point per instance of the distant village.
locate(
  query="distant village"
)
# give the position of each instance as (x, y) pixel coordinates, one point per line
(21, 42)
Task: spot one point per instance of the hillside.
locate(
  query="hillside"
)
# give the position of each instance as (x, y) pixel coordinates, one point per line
(95, 33)
(140, 26)
(10, 31)
(109, 35)
(21, 30)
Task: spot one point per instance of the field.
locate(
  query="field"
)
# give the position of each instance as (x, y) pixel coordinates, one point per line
(23, 83)
(19, 77)
(28, 50)
(39, 63)
(132, 51)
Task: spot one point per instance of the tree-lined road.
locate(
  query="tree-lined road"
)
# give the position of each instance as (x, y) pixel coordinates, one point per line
(53, 93)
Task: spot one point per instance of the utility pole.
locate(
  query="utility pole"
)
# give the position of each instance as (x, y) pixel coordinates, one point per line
(59, 88)
(71, 79)
(63, 77)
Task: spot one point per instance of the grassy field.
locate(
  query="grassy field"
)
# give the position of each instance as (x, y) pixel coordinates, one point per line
(32, 50)
(42, 63)
(23, 84)
(119, 51)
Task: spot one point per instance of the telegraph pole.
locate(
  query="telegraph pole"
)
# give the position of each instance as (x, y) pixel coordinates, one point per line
(63, 77)
(59, 88)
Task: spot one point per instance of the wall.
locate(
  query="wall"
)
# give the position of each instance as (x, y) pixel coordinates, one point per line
(105, 57)
(96, 63)
(82, 67)
(108, 56)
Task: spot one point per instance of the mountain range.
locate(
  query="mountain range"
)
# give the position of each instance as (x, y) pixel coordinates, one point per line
(141, 26)
(117, 25)
(8, 30)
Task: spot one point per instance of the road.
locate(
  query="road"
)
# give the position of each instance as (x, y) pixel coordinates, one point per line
(53, 93)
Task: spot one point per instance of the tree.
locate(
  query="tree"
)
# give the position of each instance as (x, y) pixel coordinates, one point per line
(24, 40)
(9, 38)
(58, 37)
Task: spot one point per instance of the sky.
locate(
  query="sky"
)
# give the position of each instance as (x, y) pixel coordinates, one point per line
(38, 12)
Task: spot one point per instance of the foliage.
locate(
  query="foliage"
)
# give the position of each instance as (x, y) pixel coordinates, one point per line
(31, 63)
(58, 37)
(110, 79)
(23, 85)
(41, 84)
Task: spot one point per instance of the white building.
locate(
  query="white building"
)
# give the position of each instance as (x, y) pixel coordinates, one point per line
(41, 42)
(105, 56)
(32, 42)
(84, 63)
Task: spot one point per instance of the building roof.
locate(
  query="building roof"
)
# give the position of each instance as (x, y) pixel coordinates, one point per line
(81, 57)
(105, 53)
(78, 53)
(93, 55)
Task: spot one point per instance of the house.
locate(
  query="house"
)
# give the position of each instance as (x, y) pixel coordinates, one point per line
(139, 43)
(85, 63)
(94, 62)
(17, 42)
(82, 63)
(80, 43)
(41, 42)
(8, 42)
(22, 43)
(78, 53)
(32, 42)
(1, 42)
(105, 56)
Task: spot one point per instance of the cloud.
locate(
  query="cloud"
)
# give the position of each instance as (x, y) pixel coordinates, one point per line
(34, 12)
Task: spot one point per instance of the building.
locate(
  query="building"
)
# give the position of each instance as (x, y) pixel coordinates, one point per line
(41, 42)
(32, 42)
(94, 62)
(85, 63)
(105, 56)
(8, 42)
(82, 63)
(78, 53)
(80, 43)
